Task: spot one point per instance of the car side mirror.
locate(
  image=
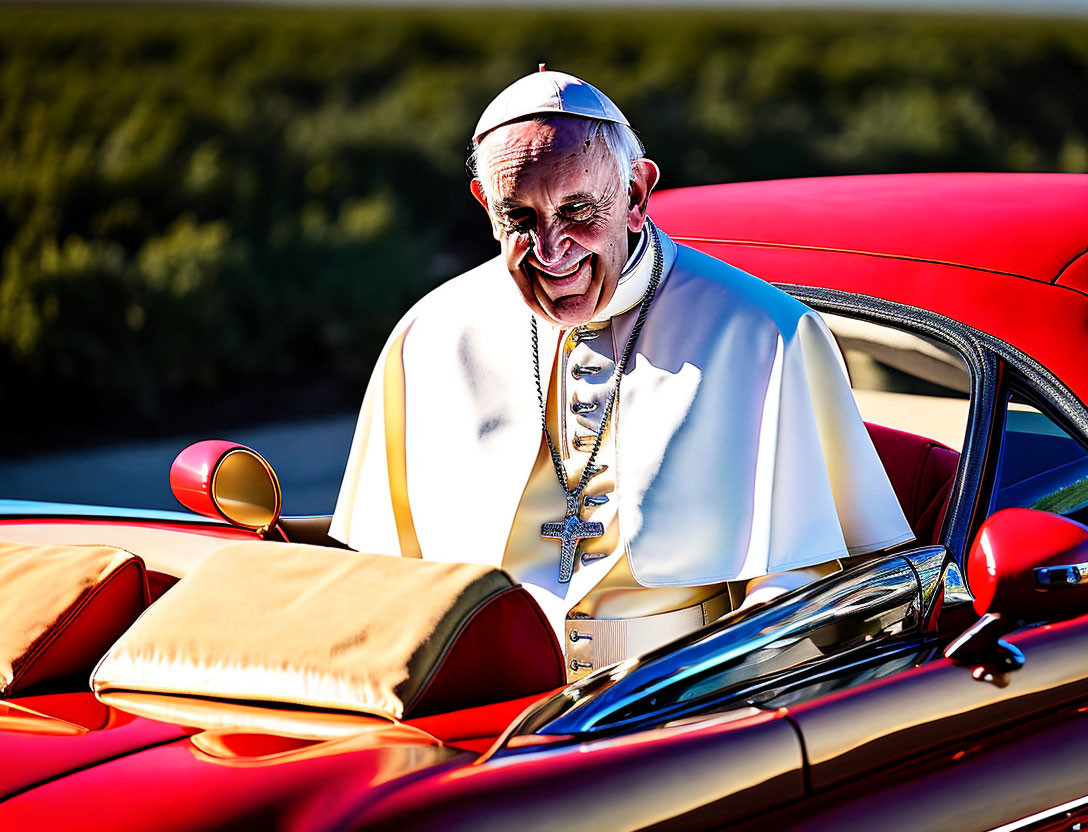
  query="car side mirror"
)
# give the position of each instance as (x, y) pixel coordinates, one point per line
(225, 480)
(1029, 566)
(1025, 565)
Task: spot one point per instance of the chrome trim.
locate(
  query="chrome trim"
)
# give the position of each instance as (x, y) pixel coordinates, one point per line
(1052, 577)
(982, 648)
(589, 557)
(928, 562)
(988, 625)
(1022, 823)
(579, 408)
(579, 371)
(956, 592)
(599, 500)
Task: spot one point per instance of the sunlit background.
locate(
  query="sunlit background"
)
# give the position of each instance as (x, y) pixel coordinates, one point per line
(212, 215)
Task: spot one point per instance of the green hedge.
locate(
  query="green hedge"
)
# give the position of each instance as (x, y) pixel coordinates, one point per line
(194, 199)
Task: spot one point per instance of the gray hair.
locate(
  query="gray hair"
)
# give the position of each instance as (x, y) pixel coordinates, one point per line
(624, 146)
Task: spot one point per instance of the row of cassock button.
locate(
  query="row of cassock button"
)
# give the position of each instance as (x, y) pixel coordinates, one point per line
(591, 369)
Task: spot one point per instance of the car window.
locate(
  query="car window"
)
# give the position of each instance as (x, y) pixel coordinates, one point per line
(1041, 465)
(905, 381)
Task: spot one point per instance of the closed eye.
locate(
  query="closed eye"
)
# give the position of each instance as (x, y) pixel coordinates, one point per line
(518, 221)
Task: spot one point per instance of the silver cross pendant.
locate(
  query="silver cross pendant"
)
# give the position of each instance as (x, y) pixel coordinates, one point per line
(570, 531)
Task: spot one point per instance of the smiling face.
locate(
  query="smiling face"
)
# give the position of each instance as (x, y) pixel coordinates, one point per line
(562, 212)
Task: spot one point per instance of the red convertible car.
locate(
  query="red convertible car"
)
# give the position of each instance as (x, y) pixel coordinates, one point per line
(940, 685)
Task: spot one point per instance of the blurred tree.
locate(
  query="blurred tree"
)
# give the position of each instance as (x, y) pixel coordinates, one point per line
(201, 200)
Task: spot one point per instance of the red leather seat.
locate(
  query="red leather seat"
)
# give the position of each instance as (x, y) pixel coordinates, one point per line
(921, 471)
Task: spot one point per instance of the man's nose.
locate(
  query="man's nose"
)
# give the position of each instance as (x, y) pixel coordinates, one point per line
(549, 244)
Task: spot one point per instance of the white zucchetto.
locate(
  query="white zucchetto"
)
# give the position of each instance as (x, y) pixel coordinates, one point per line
(543, 93)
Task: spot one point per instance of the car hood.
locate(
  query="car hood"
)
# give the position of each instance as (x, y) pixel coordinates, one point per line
(77, 761)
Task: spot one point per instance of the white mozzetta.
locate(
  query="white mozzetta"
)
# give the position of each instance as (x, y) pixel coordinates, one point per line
(739, 451)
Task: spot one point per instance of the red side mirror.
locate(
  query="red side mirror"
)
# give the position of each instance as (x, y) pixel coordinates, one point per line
(226, 480)
(1029, 565)
(1025, 566)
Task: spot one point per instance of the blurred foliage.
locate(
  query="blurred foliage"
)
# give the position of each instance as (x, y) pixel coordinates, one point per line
(203, 199)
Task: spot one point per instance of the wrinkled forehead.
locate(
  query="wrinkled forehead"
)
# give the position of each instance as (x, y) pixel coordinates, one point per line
(520, 159)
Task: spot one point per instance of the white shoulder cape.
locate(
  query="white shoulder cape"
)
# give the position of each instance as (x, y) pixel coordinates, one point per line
(739, 449)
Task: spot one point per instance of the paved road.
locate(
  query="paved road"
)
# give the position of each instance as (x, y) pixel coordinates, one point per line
(308, 457)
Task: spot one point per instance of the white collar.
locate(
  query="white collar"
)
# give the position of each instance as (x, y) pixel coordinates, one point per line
(634, 279)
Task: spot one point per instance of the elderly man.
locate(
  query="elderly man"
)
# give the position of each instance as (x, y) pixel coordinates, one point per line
(637, 432)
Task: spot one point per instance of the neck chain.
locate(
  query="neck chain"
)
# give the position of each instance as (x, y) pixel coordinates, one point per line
(572, 529)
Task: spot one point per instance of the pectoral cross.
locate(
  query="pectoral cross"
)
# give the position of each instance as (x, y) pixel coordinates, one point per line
(570, 531)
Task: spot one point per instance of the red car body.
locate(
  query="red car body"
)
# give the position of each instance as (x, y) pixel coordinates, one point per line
(891, 733)
(1003, 254)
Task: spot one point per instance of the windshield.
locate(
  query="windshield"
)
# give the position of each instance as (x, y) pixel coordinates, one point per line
(734, 658)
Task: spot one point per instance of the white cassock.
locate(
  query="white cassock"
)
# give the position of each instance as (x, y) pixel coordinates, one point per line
(735, 449)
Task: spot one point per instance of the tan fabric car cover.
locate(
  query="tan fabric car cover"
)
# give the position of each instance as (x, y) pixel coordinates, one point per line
(302, 625)
(61, 607)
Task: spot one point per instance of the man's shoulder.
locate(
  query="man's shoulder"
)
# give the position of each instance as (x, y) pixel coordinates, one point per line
(476, 291)
(480, 305)
(717, 283)
(484, 280)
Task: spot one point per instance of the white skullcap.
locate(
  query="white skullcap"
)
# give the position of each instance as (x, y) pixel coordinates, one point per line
(547, 92)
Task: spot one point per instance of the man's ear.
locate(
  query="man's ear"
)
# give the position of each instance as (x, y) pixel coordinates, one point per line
(644, 176)
(477, 189)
